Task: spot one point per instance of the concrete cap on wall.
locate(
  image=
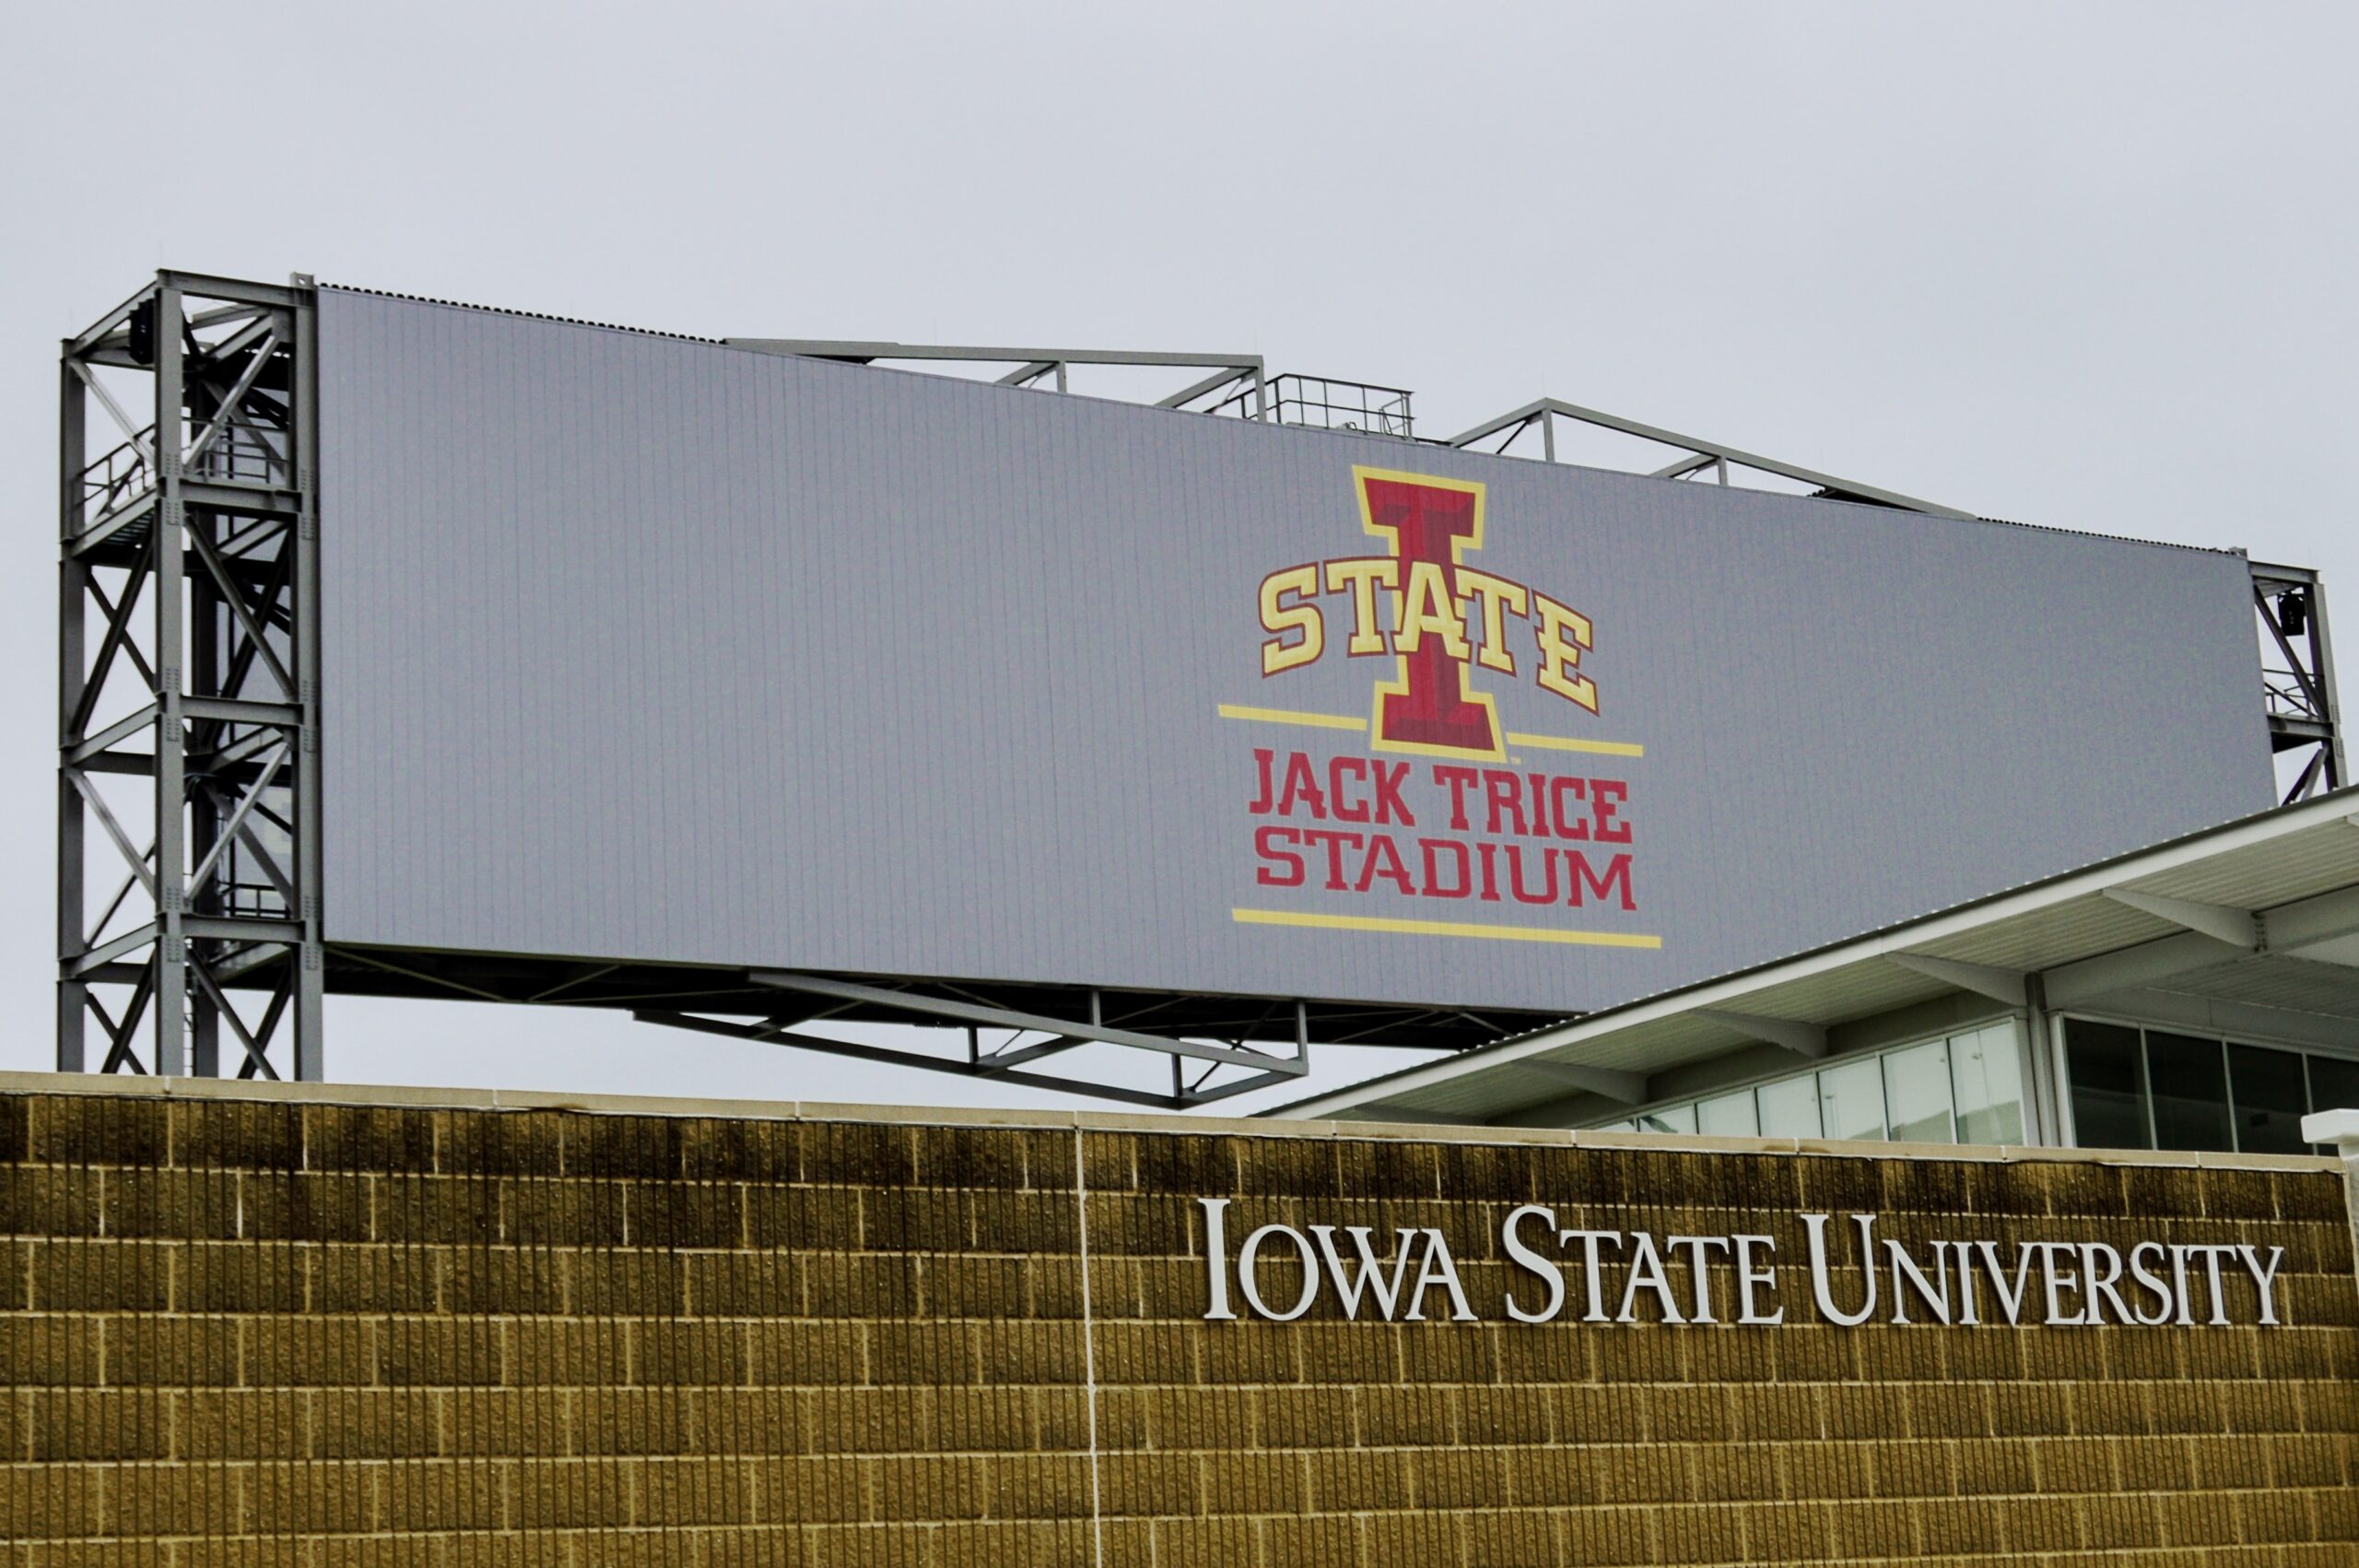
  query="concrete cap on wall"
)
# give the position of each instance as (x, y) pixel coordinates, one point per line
(2338, 1128)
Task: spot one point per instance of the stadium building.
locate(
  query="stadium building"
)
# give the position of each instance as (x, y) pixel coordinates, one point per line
(1896, 971)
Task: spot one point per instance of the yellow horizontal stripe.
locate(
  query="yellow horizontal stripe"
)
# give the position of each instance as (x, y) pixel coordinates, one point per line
(1288, 716)
(1440, 928)
(1342, 721)
(1561, 744)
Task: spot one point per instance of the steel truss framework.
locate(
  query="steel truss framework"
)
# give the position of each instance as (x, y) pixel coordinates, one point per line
(2297, 675)
(188, 656)
(189, 644)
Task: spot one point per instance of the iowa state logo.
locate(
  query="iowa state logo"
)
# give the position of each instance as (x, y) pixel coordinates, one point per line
(1349, 831)
(1448, 618)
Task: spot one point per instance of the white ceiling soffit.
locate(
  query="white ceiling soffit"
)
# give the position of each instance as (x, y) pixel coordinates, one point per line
(2171, 915)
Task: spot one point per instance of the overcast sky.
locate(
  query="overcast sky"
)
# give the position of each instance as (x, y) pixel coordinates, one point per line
(2088, 267)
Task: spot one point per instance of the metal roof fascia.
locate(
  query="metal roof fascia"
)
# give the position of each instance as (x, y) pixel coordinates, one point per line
(2089, 881)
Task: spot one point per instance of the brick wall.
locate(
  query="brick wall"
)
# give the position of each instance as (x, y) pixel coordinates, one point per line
(304, 1327)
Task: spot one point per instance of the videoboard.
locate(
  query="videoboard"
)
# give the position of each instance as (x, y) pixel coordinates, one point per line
(654, 650)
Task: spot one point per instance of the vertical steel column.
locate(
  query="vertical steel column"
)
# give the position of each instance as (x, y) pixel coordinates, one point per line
(2322, 669)
(205, 610)
(310, 976)
(73, 663)
(172, 643)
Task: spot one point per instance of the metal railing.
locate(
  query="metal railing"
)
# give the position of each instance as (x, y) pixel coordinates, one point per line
(1321, 402)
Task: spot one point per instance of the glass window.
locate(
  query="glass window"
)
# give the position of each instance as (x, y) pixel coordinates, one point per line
(1671, 1118)
(2334, 1083)
(2109, 1086)
(1987, 1068)
(2267, 1087)
(2189, 1080)
(1789, 1110)
(1729, 1116)
(1917, 1093)
(1850, 1099)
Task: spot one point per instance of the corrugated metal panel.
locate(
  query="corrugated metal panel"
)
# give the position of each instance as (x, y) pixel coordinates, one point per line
(647, 649)
(2264, 875)
(2078, 928)
(2328, 988)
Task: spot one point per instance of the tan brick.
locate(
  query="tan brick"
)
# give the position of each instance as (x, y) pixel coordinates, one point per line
(561, 1214)
(185, 1352)
(474, 1142)
(437, 1352)
(346, 1280)
(307, 1352)
(501, 1281)
(434, 1210)
(216, 1424)
(216, 1277)
(102, 1276)
(375, 1423)
(575, 1494)
(1283, 1539)
(865, 1421)
(49, 1502)
(567, 1352)
(442, 1495)
(368, 1138)
(98, 1130)
(171, 1205)
(92, 1424)
(753, 1421)
(810, 1491)
(938, 1354)
(680, 1214)
(687, 1350)
(741, 1284)
(51, 1204)
(859, 1155)
(1605, 1536)
(1057, 1418)
(766, 1152)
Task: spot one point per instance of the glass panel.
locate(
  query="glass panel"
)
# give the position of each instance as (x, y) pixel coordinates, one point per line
(1615, 1126)
(2189, 1083)
(1789, 1110)
(2268, 1090)
(1730, 1116)
(1986, 1066)
(2334, 1083)
(1850, 1099)
(1671, 1118)
(1917, 1093)
(2334, 1086)
(2109, 1086)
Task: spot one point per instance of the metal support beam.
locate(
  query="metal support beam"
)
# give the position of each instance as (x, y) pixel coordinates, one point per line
(2234, 928)
(1033, 365)
(1623, 1088)
(1004, 1018)
(1802, 1039)
(1703, 452)
(1983, 979)
(2073, 985)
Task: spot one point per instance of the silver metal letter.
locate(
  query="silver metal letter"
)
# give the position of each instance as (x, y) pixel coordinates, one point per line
(1216, 1260)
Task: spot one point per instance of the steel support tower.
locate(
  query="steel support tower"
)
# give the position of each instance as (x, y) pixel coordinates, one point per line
(188, 786)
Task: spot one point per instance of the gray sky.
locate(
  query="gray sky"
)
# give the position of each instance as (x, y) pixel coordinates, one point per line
(2086, 266)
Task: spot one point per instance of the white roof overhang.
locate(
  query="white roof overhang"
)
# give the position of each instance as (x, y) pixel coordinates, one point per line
(2263, 912)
